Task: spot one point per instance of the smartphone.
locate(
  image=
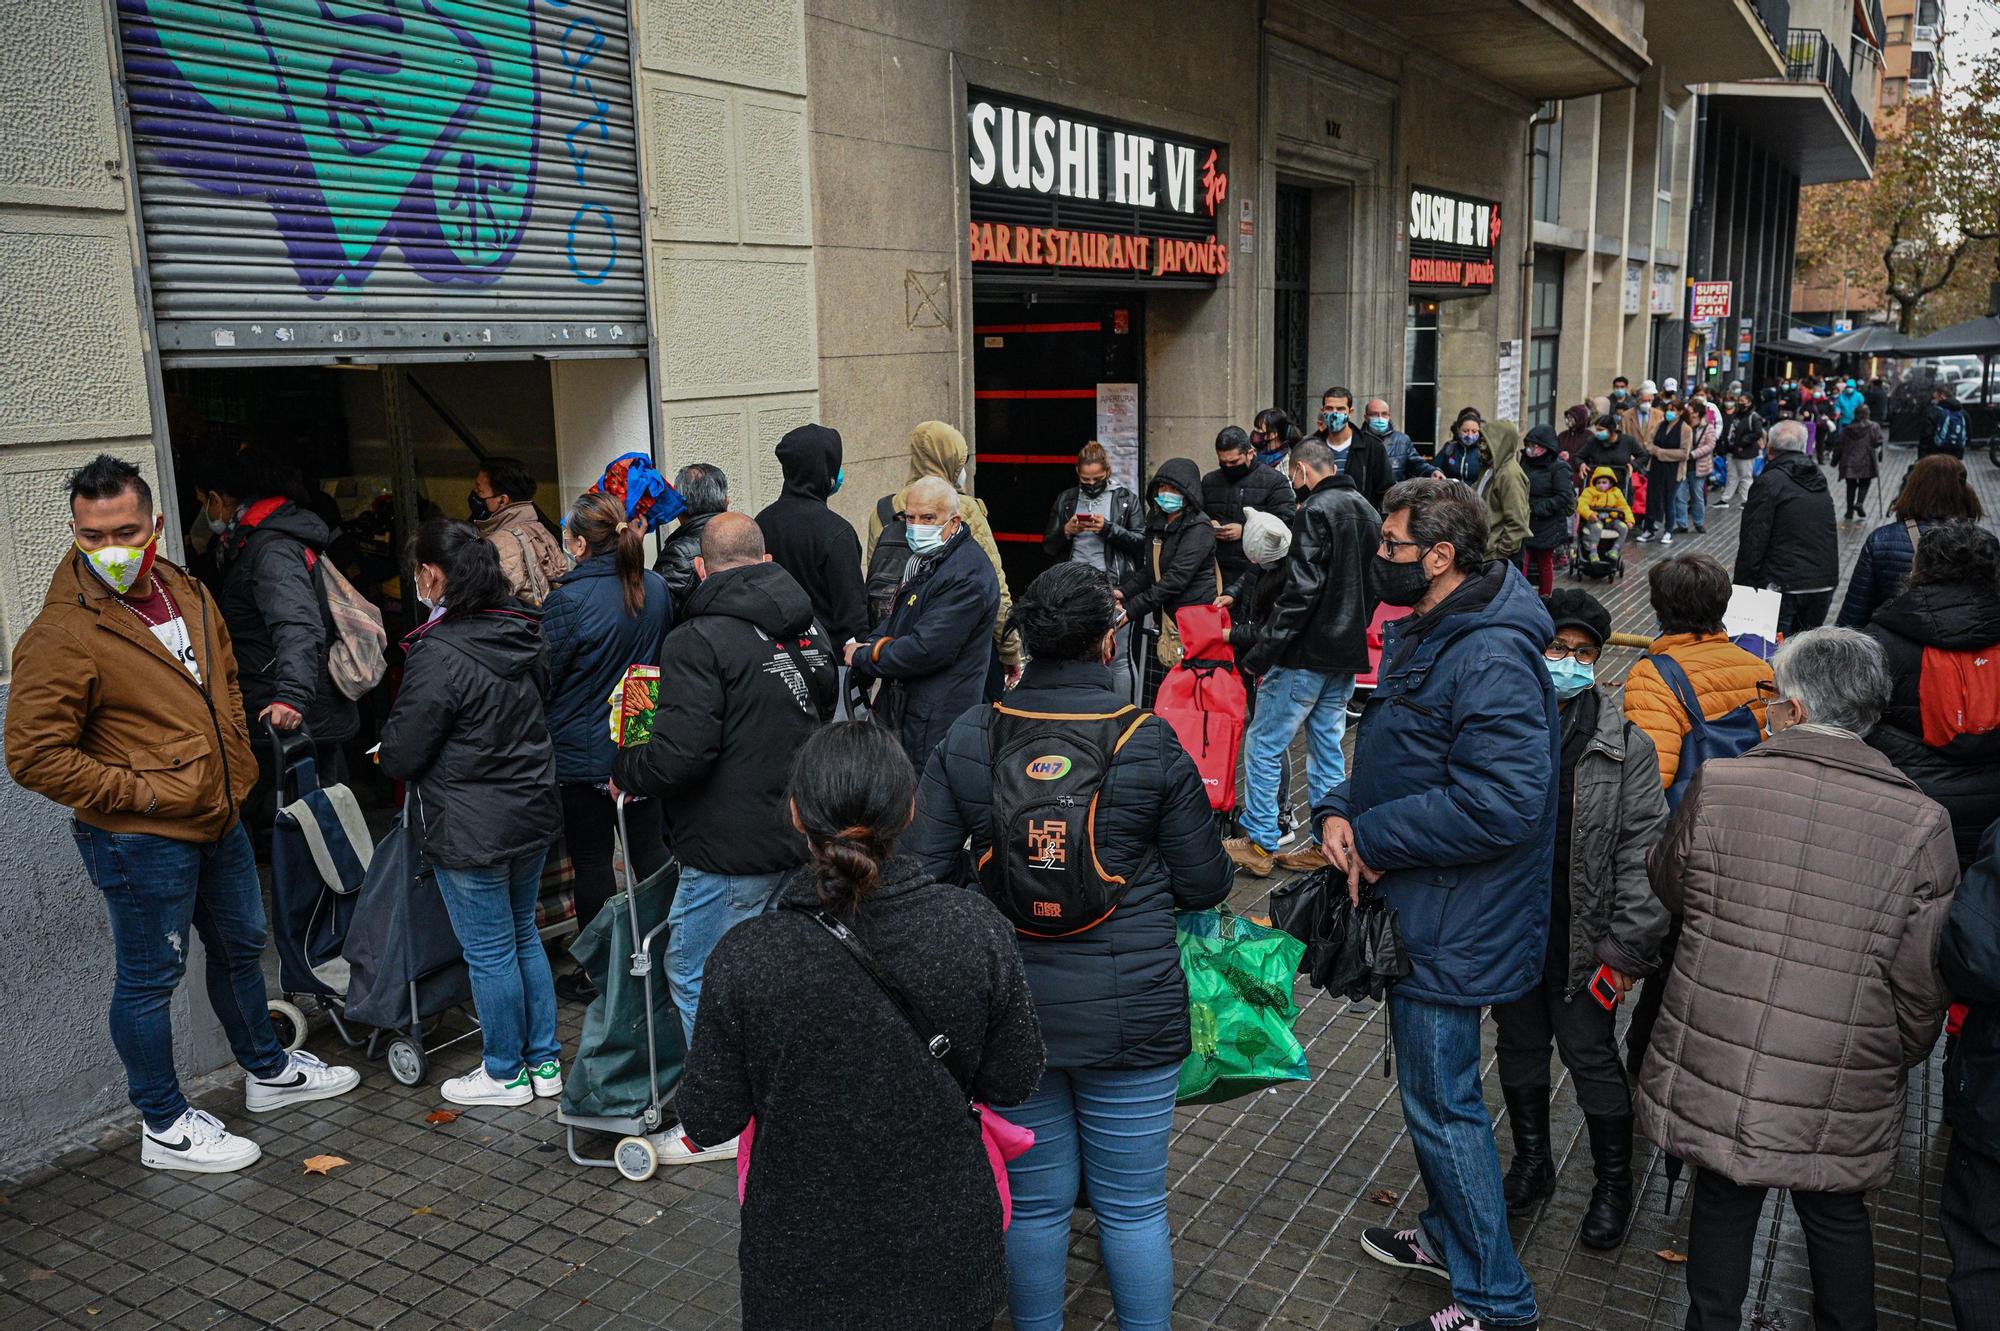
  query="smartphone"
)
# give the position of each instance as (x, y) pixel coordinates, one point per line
(1603, 989)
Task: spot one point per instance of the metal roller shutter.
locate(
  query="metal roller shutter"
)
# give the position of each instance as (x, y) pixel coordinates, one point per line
(370, 180)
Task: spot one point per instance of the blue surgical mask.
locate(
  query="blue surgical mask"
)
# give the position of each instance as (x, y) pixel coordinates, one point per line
(1379, 424)
(1334, 421)
(1618, 392)
(1169, 501)
(1671, 416)
(1570, 676)
(925, 538)
(838, 477)
(1602, 435)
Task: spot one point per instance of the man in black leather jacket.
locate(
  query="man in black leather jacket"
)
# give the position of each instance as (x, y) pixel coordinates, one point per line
(1311, 646)
(706, 492)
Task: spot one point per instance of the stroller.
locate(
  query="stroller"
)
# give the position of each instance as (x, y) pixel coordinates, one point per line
(630, 1053)
(360, 930)
(1605, 563)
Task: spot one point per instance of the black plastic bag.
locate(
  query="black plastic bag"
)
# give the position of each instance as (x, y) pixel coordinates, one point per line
(1352, 950)
(1298, 907)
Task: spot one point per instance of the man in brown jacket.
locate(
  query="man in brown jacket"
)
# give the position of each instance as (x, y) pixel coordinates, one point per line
(125, 708)
(1814, 881)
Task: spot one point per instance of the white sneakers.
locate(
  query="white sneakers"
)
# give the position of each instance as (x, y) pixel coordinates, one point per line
(480, 1087)
(198, 1143)
(681, 1150)
(304, 1078)
(546, 1080)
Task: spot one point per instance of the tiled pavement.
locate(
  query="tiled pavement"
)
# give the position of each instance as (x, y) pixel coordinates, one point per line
(485, 1222)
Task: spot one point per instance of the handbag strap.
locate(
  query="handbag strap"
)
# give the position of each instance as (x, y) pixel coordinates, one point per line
(936, 1043)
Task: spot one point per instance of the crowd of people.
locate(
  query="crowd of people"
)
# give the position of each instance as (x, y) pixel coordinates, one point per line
(851, 731)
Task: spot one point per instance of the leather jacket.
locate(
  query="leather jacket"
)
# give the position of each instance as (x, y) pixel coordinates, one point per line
(1124, 531)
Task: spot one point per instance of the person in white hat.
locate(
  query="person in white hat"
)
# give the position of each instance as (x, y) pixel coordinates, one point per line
(1638, 420)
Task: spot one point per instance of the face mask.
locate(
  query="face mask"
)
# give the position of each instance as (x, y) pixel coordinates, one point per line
(121, 566)
(1093, 488)
(1671, 416)
(1400, 584)
(1605, 486)
(1536, 451)
(219, 526)
(1333, 421)
(1236, 471)
(1468, 441)
(1570, 676)
(925, 539)
(1379, 424)
(838, 477)
(1618, 392)
(1602, 435)
(1169, 502)
(475, 504)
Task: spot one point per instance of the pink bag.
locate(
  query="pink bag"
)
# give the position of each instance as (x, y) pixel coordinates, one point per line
(1003, 1140)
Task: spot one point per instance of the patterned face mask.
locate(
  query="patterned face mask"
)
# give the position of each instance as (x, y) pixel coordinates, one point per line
(121, 566)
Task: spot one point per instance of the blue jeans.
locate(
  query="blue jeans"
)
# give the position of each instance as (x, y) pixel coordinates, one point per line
(1285, 699)
(1112, 1127)
(1690, 499)
(1465, 1225)
(154, 889)
(492, 909)
(707, 906)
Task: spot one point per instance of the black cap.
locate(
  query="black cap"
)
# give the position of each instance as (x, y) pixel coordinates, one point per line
(1574, 607)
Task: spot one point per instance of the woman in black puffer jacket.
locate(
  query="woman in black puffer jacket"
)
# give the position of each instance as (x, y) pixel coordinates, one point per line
(1177, 567)
(1112, 1001)
(1551, 505)
(1936, 491)
(1940, 637)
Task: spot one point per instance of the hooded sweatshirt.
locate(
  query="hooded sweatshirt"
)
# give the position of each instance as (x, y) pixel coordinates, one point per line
(1506, 493)
(1595, 505)
(1551, 491)
(1576, 433)
(809, 540)
(938, 449)
(278, 621)
(1183, 549)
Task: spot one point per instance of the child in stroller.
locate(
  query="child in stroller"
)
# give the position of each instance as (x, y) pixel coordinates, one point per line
(1603, 518)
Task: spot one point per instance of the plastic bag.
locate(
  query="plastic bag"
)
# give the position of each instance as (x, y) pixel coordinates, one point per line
(1240, 1008)
(1349, 949)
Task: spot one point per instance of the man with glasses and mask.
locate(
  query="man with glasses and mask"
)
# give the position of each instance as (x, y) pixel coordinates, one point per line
(1450, 813)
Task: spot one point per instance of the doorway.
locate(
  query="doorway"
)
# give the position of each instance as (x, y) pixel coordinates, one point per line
(1048, 377)
(1291, 300)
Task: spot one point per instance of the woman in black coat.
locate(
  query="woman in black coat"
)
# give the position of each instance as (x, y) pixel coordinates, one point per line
(1551, 505)
(1611, 447)
(1942, 640)
(1937, 491)
(1178, 567)
(1857, 454)
(468, 734)
(1112, 999)
(868, 1202)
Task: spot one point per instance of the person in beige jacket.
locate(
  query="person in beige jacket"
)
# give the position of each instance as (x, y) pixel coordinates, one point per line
(502, 508)
(1813, 881)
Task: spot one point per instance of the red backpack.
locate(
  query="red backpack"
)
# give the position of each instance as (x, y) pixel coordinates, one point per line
(1202, 699)
(1958, 693)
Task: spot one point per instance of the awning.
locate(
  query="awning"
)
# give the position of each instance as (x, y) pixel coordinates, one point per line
(1874, 340)
(1976, 337)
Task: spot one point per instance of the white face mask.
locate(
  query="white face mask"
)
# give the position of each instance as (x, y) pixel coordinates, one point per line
(925, 539)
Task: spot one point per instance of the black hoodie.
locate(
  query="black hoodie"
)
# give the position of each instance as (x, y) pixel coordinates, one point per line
(734, 708)
(808, 540)
(1788, 539)
(468, 731)
(1551, 494)
(1183, 550)
(277, 617)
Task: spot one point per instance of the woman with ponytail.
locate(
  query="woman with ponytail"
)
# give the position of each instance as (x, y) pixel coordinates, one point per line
(607, 613)
(868, 1198)
(468, 735)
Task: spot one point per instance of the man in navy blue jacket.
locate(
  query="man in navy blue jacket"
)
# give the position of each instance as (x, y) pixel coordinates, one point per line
(1451, 813)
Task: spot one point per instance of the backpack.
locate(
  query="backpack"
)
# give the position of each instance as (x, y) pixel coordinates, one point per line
(358, 654)
(1733, 733)
(891, 557)
(1042, 869)
(1951, 434)
(1203, 700)
(1958, 693)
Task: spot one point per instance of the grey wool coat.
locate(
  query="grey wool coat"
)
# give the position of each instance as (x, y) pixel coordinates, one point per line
(1813, 880)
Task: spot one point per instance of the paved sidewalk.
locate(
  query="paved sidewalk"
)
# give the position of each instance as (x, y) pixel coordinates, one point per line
(484, 1222)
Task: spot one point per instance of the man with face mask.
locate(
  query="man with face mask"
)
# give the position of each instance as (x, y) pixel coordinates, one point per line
(1638, 417)
(1359, 455)
(125, 709)
(1404, 461)
(1240, 482)
(1450, 812)
(1621, 393)
(931, 648)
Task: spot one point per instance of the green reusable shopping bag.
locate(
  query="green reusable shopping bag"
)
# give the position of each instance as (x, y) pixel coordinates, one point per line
(1240, 1008)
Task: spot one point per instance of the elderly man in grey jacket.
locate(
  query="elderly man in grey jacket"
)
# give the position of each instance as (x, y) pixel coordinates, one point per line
(1813, 880)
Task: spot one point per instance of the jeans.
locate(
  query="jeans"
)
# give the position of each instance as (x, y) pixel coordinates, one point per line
(1580, 1028)
(1690, 500)
(1465, 1225)
(1111, 1128)
(707, 906)
(1285, 700)
(154, 889)
(590, 825)
(1722, 1232)
(492, 909)
(1799, 611)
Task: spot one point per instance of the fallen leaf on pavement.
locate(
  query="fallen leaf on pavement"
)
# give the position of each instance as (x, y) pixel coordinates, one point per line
(442, 1116)
(323, 1164)
(1383, 1197)
(41, 1273)
(422, 1210)
(1669, 1255)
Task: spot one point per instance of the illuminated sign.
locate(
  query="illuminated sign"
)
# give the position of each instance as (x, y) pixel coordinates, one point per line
(1710, 300)
(1453, 240)
(1059, 195)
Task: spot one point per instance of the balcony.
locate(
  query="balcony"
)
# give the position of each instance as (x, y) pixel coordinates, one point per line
(1702, 41)
(1924, 36)
(1809, 117)
(1537, 49)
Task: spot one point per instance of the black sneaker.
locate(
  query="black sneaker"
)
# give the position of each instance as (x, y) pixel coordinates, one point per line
(1403, 1248)
(575, 987)
(1455, 1318)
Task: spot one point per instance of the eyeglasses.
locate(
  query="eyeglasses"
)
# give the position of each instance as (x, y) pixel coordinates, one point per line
(1557, 651)
(1392, 546)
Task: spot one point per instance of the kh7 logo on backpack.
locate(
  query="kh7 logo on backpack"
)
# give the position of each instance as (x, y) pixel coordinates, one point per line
(1048, 843)
(1048, 767)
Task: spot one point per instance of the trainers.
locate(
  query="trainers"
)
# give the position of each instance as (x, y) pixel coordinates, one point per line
(1718, 503)
(1455, 1318)
(575, 987)
(1305, 859)
(1404, 1248)
(480, 1087)
(1701, 529)
(681, 1150)
(199, 1144)
(1249, 856)
(546, 1080)
(1645, 537)
(1667, 539)
(303, 1078)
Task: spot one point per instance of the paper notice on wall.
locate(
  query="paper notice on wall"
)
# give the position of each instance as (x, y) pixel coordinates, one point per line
(1507, 389)
(1752, 610)
(1118, 431)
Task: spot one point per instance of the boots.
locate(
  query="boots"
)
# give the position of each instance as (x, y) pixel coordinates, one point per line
(1532, 1175)
(1610, 1211)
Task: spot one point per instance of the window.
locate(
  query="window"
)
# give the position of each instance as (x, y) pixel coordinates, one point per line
(1921, 64)
(1663, 211)
(1899, 30)
(1929, 14)
(1548, 162)
(1420, 372)
(1894, 91)
(1545, 337)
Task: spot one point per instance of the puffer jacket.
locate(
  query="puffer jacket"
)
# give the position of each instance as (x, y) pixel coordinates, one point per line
(1506, 494)
(468, 730)
(938, 449)
(1707, 435)
(273, 601)
(1224, 498)
(1551, 494)
(676, 560)
(1788, 538)
(1812, 880)
(1595, 505)
(1969, 956)
(587, 642)
(1880, 572)
(1112, 996)
(1453, 788)
(1319, 621)
(1184, 550)
(1723, 676)
(1618, 815)
(1962, 774)
(529, 556)
(933, 641)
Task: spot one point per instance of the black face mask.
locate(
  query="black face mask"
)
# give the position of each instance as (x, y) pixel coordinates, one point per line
(1092, 489)
(1401, 584)
(1236, 471)
(475, 504)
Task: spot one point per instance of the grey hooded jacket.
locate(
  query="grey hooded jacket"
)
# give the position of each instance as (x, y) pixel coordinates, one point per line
(1619, 815)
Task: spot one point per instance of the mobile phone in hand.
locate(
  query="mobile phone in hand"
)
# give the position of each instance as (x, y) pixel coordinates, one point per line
(1604, 989)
